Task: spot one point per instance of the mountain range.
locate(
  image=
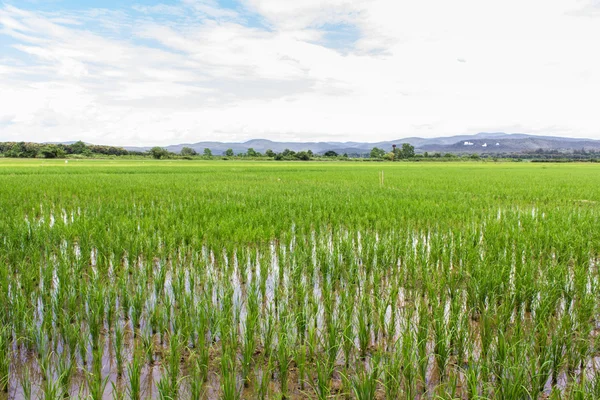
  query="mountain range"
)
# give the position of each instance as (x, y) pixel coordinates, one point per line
(484, 142)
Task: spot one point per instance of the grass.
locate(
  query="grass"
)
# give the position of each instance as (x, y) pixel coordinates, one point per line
(215, 279)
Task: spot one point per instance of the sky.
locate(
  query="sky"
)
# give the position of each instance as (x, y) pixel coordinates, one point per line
(181, 71)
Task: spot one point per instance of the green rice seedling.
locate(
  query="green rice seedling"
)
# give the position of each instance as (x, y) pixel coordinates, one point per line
(422, 340)
(229, 389)
(592, 387)
(449, 389)
(516, 387)
(44, 361)
(312, 341)
(124, 296)
(117, 391)
(83, 345)
(249, 339)
(301, 318)
(97, 354)
(137, 305)
(472, 380)
(134, 376)
(441, 340)
(300, 358)
(119, 348)
(392, 373)
(517, 381)
(163, 321)
(333, 344)
(556, 394)
(51, 390)
(191, 324)
(461, 337)
(71, 337)
(95, 316)
(283, 355)
(500, 359)
(196, 383)
(4, 361)
(323, 372)
(26, 384)
(348, 335)
(202, 358)
(172, 367)
(381, 307)
(147, 344)
(264, 378)
(155, 318)
(486, 332)
(541, 361)
(557, 349)
(364, 332)
(390, 325)
(409, 363)
(163, 387)
(364, 384)
(111, 305)
(268, 329)
(96, 385)
(64, 372)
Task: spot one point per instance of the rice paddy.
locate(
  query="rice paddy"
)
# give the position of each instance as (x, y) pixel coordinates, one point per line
(231, 280)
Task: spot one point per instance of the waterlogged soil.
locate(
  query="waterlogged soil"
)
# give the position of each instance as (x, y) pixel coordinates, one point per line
(117, 386)
(152, 373)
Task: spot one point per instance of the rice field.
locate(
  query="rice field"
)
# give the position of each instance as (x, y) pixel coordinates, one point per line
(250, 280)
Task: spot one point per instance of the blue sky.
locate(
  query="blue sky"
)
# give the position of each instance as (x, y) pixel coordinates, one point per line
(163, 72)
(53, 5)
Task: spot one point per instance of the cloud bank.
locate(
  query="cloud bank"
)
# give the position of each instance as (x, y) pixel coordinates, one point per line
(369, 70)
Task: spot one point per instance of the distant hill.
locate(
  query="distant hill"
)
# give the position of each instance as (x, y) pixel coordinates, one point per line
(491, 143)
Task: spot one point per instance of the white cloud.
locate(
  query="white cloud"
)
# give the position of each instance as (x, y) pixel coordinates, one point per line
(167, 74)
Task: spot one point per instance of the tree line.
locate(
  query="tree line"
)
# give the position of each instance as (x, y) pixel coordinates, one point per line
(404, 152)
(80, 149)
(51, 150)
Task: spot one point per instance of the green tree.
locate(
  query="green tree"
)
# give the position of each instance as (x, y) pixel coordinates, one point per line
(79, 147)
(14, 151)
(251, 152)
(376, 152)
(207, 153)
(23, 150)
(52, 151)
(188, 151)
(330, 153)
(229, 152)
(408, 151)
(158, 152)
(389, 156)
(270, 153)
(303, 155)
(288, 153)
